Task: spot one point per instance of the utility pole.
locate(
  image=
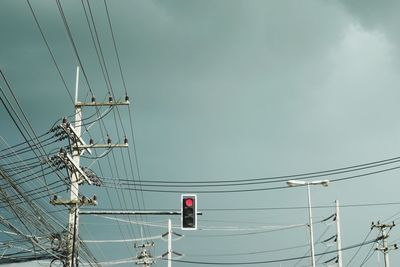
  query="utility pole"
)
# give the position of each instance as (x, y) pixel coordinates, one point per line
(170, 251)
(169, 243)
(384, 236)
(73, 222)
(338, 236)
(77, 174)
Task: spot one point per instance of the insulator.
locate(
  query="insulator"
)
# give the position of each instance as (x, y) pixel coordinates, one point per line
(108, 140)
(125, 140)
(64, 120)
(62, 151)
(91, 142)
(93, 98)
(67, 124)
(110, 98)
(126, 98)
(94, 198)
(55, 198)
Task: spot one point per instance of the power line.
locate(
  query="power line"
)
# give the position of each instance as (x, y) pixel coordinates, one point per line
(303, 207)
(358, 250)
(281, 178)
(115, 185)
(246, 253)
(115, 46)
(50, 51)
(273, 261)
(64, 19)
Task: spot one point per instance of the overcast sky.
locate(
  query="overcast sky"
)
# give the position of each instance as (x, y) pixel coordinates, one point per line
(229, 90)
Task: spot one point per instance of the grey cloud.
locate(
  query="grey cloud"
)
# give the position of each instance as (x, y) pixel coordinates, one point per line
(377, 15)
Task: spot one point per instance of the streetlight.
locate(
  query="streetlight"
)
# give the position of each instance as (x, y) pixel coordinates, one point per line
(293, 183)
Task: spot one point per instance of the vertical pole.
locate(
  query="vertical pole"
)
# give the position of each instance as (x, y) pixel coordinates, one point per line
(311, 226)
(385, 248)
(73, 242)
(169, 243)
(76, 84)
(338, 238)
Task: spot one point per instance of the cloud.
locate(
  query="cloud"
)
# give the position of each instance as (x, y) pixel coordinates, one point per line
(377, 16)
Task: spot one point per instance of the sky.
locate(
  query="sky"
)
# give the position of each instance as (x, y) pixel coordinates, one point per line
(223, 91)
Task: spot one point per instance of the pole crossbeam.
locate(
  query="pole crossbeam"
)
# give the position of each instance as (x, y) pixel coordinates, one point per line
(101, 104)
(102, 146)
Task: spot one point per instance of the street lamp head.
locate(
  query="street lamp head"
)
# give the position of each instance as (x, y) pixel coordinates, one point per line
(325, 183)
(292, 183)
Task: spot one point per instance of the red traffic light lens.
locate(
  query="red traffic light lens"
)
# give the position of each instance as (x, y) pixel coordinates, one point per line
(189, 202)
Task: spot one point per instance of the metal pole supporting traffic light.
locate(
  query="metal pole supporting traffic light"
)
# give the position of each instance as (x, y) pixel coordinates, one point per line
(188, 212)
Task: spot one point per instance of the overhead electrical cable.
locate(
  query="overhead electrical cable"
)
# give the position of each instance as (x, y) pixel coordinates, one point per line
(282, 178)
(50, 51)
(115, 47)
(271, 261)
(102, 62)
(358, 250)
(69, 33)
(114, 184)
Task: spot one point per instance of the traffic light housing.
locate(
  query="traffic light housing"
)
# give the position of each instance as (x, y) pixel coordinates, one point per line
(188, 212)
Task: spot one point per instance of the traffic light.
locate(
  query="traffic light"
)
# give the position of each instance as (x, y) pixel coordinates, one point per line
(188, 212)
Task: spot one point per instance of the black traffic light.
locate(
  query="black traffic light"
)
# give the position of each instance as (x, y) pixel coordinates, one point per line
(189, 212)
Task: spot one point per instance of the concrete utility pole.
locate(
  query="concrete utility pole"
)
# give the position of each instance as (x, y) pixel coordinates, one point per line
(170, 251)
(169, 243)
(384, 236)
(338, 236)
(77, 174)
(73, 222)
